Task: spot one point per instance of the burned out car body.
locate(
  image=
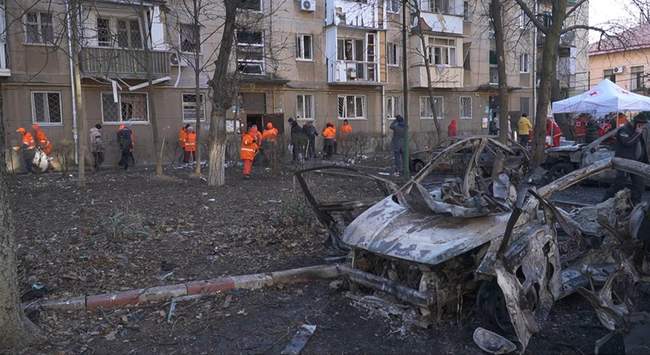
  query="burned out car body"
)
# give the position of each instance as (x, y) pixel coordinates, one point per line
(432, 243)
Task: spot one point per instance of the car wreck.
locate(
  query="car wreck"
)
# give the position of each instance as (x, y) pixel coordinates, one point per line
(439, 238)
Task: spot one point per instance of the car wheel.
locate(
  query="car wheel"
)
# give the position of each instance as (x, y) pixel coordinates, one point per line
(417, 165)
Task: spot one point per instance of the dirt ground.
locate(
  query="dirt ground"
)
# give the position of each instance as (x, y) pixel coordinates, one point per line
(130, 230)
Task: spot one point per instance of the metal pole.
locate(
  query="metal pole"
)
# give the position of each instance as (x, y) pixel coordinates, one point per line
(405, 89)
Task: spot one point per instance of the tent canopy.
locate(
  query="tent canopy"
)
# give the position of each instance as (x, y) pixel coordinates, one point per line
(604, 98)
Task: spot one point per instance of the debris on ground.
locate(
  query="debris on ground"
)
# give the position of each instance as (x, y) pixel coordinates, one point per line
(299, 340)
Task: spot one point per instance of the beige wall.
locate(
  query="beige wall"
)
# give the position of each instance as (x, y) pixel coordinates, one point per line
(600, 62)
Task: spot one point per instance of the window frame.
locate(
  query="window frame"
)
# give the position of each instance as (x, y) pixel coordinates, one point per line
(312, 112)
(524, 58)
(390, 4)
(396, 57)
(637, 74)
(260, 62)
(395, 107)
(203, 104)
(300, 47)
(460, 108)
(39, 25)
(119, 104)
(610, 76)
(452, 60)
(424, 99)
(33, 106)
(364, 106)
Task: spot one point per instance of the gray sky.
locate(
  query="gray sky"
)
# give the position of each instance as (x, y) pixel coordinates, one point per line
(601, 11)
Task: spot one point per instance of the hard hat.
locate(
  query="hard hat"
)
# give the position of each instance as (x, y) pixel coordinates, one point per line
(21, 130)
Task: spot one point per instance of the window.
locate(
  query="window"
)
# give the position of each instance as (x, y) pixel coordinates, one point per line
(392, 107)
(441, 6)
(104, 38)
(466, 11)
(46, 107)
(350, 49)
(188, 40)
(304, 47)
(467, 58)
(465, 107)
(442, 51)
(189, 108)
(393, 6)
(305, 107)
(393, 54)
(250, 52)
(609, 74)
(494, 75)
(252, 5)
(131, 107)
(638, 78)
(38, 27)
(425, 107)
(523, 19)
(128, 34)
(524, 63)
(351, 107)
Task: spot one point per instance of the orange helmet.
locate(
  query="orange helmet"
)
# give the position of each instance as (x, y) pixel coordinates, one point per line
(36, 126)
(21, 130)
(269, 125)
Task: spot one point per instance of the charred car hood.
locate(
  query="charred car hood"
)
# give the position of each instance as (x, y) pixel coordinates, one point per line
(393, 230)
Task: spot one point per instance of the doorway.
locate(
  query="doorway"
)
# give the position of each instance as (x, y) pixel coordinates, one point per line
(277, 119)
(254, 120)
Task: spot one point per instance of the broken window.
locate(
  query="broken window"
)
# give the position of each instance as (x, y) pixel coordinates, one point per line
(351, 107)
(130, 107)
(39, 27)
(189, 108)
(188, 40)
(46, 107)
(252, 5)
(305, 107)
(250, 52)
(425, 107)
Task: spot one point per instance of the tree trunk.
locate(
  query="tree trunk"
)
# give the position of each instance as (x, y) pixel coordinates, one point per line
(496, 12)
(197, 83)
(427, 67)
(16, 330)
(222, 87)
(548, 75)
(153, 118)
(74, 8)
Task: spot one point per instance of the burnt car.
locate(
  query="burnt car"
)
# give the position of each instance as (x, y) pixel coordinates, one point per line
(434, 241)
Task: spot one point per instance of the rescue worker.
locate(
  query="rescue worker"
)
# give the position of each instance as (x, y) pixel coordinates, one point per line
(182, 136)
(581, 128)
(631, 143)
(189, 148)
(399, 128)
(270, 145)
(310, 131)
(248, 151)
(452, 129)
(27, 148)
(553, 133)
(329, 139)
(125, 142)
(523, 129)
(97, 146)
(344, 137)
(591, 131)
(346, 128)
(41, 139)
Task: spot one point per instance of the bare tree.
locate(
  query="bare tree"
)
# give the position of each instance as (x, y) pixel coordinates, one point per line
(497, 17)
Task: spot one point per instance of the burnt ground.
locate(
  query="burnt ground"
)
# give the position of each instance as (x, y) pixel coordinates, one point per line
(130, 230)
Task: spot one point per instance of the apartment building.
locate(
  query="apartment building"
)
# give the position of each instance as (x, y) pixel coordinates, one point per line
(319, 60)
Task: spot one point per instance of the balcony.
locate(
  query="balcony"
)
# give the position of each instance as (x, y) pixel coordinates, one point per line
(122, 63)
(352, 13)
(442, 77)
(353, 73)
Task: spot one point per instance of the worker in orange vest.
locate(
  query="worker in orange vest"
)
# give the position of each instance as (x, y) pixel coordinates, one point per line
(270, 145)
(248, 151)
(182, 136)
(189, 148)
(256, 134)
(329, 140)
(41, 139)
(346, 128)
(344, 136)
(27, 148)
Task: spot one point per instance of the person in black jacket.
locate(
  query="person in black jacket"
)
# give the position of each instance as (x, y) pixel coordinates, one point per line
(298, 140)
(399, 128)
(311, 133)
(631, 144)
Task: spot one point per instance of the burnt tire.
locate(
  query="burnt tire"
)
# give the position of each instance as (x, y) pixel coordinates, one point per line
(491, 307)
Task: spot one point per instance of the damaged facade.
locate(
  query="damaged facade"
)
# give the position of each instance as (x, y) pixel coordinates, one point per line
(320, 60)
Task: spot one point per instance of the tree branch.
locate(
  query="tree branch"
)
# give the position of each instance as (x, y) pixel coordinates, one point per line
(533, 18)
(575, 7)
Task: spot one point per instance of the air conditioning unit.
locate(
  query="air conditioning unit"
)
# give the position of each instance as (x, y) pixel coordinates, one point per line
(177, 61)
(619, 70)
(308, 5)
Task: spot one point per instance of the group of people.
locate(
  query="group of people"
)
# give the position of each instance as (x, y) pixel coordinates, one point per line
(187, 143)
(32, 141)
(252, 142)
(125, 142)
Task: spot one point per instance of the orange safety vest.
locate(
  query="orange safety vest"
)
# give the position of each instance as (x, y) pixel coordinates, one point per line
(182, 137)
(28, 140)
(346, 129)
(329, 133)
(248, 147)
(43, 142)
(270, 135)
(190, 142)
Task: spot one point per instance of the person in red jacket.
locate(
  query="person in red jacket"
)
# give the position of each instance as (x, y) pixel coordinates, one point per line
(452, 129)
(553, 133)
(189, 146)
(248, 151)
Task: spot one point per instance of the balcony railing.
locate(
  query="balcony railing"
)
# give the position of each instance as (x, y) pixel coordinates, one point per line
(122, 63)
(442, 77)
(348, 71)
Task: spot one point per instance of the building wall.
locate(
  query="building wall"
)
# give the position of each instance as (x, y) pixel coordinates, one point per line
(626, 59)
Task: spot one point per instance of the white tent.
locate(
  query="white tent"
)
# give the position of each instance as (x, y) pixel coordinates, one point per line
(604, 98)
